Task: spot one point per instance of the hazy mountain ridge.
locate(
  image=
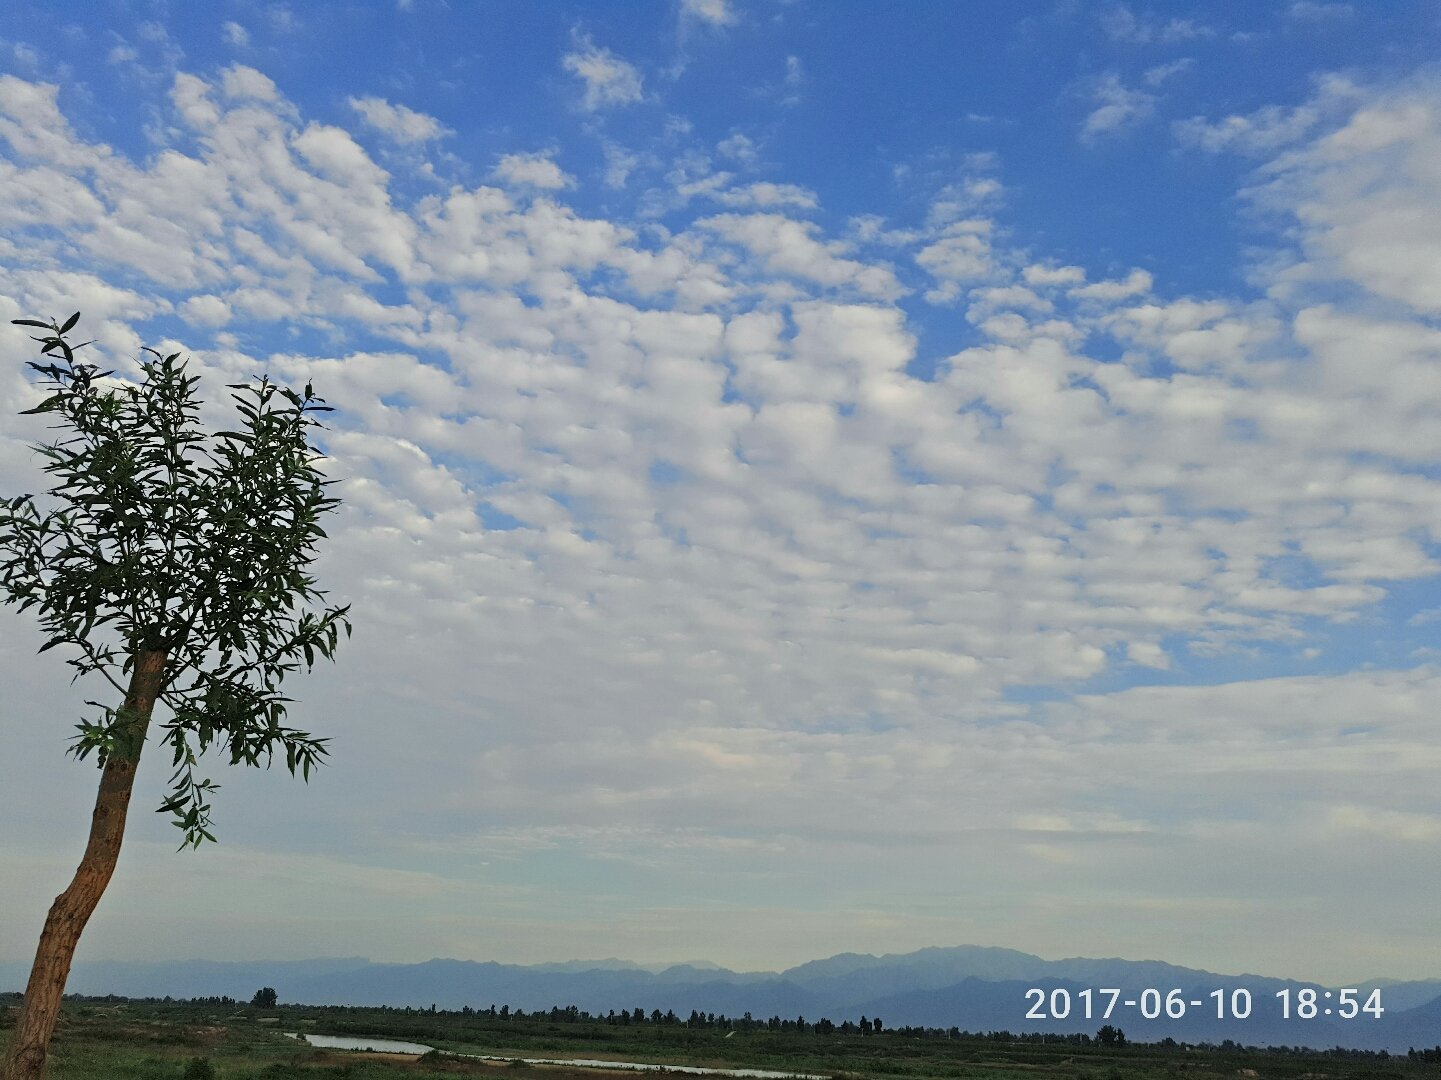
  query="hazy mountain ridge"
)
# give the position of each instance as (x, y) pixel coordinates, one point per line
(969, 987)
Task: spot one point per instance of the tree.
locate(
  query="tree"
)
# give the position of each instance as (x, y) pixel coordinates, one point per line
(174, 561)
(265, 998)
(1110, 1035)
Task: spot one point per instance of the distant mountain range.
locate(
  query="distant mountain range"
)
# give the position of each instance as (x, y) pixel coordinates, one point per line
(969, 987)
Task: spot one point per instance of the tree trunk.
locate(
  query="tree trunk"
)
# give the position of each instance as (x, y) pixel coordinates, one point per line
(72, 909)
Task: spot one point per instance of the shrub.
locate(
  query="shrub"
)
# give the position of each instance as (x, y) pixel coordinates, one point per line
(199, 1068)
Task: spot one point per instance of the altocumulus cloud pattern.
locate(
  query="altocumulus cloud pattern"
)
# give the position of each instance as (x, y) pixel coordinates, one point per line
(706, 550)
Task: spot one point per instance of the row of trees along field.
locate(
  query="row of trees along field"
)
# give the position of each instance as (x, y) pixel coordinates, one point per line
(697, 1019)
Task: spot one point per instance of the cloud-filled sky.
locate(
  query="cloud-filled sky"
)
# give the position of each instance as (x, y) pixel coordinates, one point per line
(817, 477)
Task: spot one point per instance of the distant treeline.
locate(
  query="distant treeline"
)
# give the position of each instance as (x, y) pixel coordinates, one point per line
(570, 1014)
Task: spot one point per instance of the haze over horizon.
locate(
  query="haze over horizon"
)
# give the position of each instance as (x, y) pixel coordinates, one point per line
(817, 477)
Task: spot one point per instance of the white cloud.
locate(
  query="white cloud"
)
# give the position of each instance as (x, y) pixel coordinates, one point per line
(1272, 128)
(235, 34)
(1312, 11)
(205, 311)
(1381, 236)
(1121, 24)
(282, 19)
(1138, 281)
(31, 121)
(532, 170)
(397, 122)
(619, 164)
(963, 199)
(1048, 276)
(1161, 72)
(789, 247)
(336, 156)
(711, 12)
(795, 78)
(764, 194)
(739, 148)
(1262, 132)
(241, 83)
(609, 80)
(871, 229)
(961, 254)
(1148, 654)
(1117, 108)
(1010, 296)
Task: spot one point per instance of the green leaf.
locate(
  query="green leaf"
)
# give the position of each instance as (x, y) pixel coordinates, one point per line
(50, 404)
(33, 322)
(70, 323)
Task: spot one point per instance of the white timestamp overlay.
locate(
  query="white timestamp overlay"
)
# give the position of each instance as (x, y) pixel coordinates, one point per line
(1235, 1004)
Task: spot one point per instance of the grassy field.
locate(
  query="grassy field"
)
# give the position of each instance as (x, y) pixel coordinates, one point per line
(151, 1040)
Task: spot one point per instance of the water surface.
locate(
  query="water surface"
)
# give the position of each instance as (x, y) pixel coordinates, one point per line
(362, 1042)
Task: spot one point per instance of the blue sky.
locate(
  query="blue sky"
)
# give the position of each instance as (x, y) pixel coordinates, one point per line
(817, 476)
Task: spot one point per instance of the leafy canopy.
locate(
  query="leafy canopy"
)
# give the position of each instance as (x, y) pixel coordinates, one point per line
(166, 539)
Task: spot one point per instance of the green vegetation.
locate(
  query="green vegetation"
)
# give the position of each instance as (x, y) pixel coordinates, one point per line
(222, 1039)
(172, 562)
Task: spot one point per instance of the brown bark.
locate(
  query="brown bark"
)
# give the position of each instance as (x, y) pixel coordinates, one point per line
(30, 1040)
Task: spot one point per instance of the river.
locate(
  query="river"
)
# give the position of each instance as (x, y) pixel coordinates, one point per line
(395, 1046)
(351, 1042)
